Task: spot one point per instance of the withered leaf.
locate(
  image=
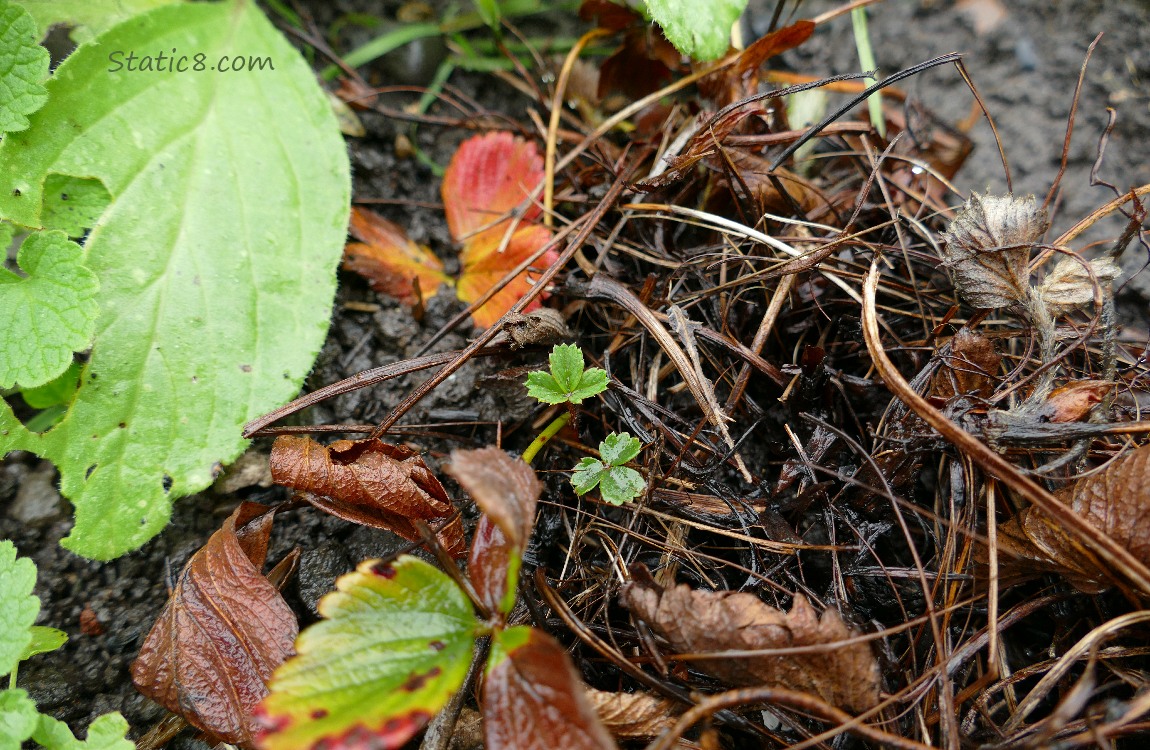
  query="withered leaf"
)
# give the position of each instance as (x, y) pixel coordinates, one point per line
(534, 698)
(1074, 400)
(634, 715)
(367, 482)
(223, 632)
(971, 367)
(754, 172)
(390, 261)
(505, 488)
(1114, 501)
(705, 621)
(1068, 285)
(741, 78)
(988, 246)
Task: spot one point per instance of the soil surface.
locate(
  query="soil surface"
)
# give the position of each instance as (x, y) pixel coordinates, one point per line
(1025, 69)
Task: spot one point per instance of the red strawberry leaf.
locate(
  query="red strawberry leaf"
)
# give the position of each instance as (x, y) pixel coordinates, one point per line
(534, 698)
(391, 262)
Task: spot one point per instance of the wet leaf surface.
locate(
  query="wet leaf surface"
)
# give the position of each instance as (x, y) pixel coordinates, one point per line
(533, 697)
(368, 482)
(395, 643)
(493, 566)
(392, 263)
(505, 488)
(224, 630)
(695, 621)
(487, 180)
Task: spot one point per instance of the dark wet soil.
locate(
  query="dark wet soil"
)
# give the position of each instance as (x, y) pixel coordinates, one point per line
(1025, 70)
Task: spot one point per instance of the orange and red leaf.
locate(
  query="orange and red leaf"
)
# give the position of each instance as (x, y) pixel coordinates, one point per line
(484, 267)
(391, 262)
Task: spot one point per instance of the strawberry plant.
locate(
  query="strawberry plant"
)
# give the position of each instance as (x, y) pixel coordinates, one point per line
(617, 483)
(208, 210)
(398, 637)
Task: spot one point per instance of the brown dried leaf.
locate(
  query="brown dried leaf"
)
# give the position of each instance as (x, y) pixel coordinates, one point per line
(222, 633)
(988, 247)
(634, 715)
(1068, 286)
(505, 488)
(755, 173)
(705, 621)
(1114, 501)
(740, 79)
(488, 565)
(534, 698)
(367, 482)
(971, 368)
(1074, 400)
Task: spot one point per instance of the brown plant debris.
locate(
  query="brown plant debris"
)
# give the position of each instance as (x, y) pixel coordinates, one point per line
(190, 663)
(368, 482)
(699, 622)
(987, 247)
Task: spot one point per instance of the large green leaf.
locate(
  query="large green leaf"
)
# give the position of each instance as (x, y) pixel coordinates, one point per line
(395, 645)
(216, 256)
(18, 718)
(89, 17)
(18, 607)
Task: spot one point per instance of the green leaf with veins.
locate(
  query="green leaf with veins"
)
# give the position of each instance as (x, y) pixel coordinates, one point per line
(566, 366)
(23, 68)
(395, 644)
(617, 483)
(50, 313)
(619, 448)
(567, 381)
(18, 718)
(621, 484)
(701, 30)
(18, 607)
(89, 17)
(216, 256)
(587, 474)
(73, 204)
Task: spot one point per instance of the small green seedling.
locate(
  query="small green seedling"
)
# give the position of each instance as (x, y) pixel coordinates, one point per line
(567, 382)
(617, 483)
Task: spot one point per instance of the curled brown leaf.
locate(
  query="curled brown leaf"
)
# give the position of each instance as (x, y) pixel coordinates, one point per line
(367, 482)
(971, 368)
(699, 622)
(222, 633)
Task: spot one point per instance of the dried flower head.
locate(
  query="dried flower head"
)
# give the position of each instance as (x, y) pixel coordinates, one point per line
(988, 246)
(1068, 285)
